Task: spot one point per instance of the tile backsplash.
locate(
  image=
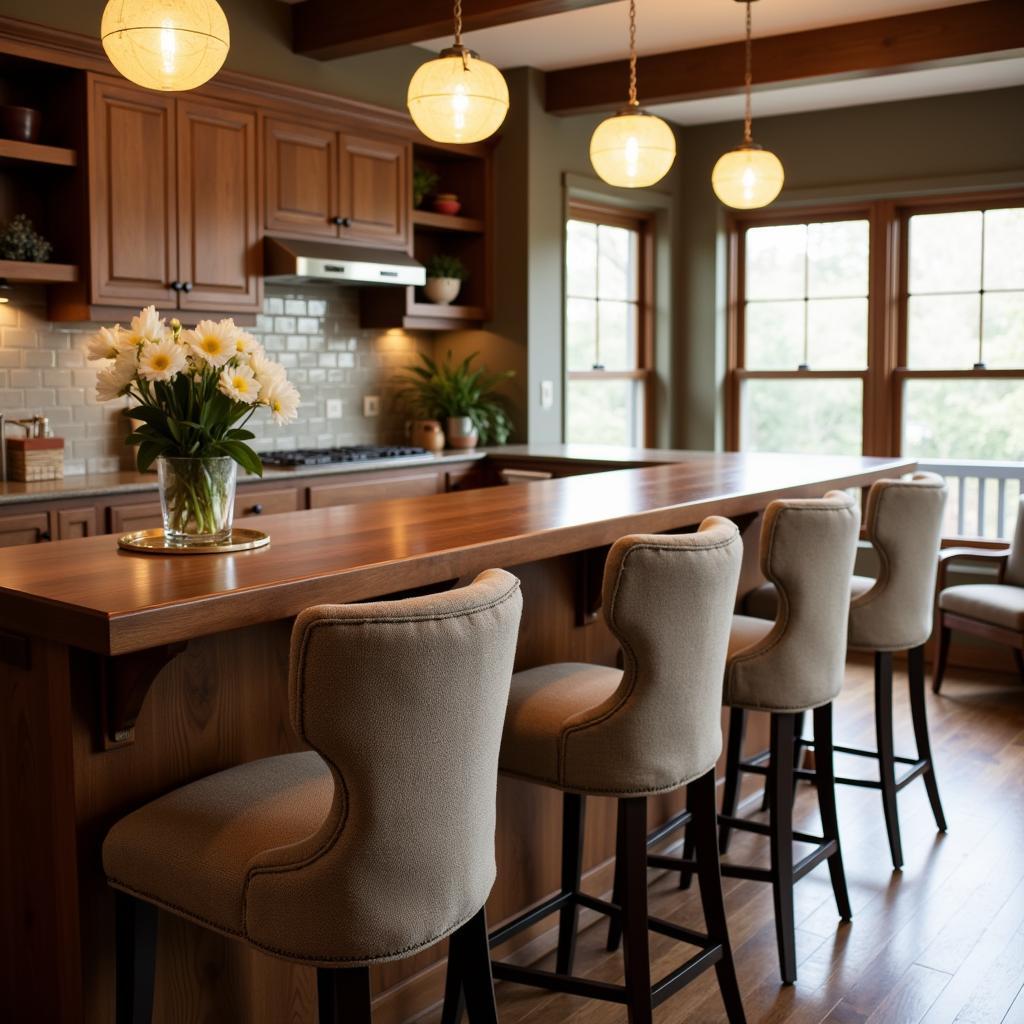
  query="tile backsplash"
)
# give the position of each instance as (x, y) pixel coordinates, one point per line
(314, 330)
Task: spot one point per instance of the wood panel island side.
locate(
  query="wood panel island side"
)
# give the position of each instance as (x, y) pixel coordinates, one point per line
(124, 676)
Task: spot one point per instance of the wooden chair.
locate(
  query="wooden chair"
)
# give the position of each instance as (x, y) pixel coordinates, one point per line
(993, 611)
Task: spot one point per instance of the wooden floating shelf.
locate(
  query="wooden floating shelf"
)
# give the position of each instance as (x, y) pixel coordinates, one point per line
(435, 311)
(32, 152)
(38, 273)
(446, 222)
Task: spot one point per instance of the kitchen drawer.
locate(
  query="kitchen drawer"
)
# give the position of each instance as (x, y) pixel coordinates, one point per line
(24, 528)
(408, 485)
(265, 501)
(142, 516)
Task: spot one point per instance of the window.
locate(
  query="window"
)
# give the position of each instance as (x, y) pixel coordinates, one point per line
(607, 327)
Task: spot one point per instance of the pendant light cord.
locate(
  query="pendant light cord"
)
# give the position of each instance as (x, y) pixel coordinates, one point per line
(633, 101)
(458, 22)
(748, 136)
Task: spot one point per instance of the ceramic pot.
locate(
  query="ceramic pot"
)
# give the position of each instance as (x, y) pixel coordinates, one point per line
(461, 432)
(442, 290)
(447, 202)
(20, 123)
(197, 498)
(427, 434)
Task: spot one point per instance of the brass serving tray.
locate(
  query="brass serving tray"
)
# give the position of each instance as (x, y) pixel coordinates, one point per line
(153, 542)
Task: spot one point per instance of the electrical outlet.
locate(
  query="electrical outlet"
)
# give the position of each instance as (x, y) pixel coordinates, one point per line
(547, 394)
(334, 408)
(371, 405)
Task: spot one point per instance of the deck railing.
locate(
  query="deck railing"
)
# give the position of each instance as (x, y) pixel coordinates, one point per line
(983, 496)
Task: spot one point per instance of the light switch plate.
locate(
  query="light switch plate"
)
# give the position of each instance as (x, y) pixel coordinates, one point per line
(547, 394)
(371, 405)
(334, 408)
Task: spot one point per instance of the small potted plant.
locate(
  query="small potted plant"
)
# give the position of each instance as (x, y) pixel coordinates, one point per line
(424, 181)
(445, 275)
(461, 396)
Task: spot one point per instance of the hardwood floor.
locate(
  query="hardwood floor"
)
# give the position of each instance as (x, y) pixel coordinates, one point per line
(940, 942)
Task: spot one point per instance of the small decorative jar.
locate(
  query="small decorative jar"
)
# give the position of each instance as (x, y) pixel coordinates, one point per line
(427, 434)
(461, 432)
(448, 203)
(197, 499)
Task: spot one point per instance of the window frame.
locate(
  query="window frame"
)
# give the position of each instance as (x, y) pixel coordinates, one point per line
(643, 223)
(888, 277)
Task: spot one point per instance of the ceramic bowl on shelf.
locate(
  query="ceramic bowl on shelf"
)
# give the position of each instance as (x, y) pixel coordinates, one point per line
(19, 123)
(442, 290)
(447, 203)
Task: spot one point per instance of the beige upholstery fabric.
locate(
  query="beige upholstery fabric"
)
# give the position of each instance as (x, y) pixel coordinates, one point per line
(807, 551)
(1014, 573)
(656, 725)
(763, 602)
(996, 603)
(747, 630)
(381, 841)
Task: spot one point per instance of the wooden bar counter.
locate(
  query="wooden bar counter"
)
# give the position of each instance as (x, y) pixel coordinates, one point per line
(123, 676)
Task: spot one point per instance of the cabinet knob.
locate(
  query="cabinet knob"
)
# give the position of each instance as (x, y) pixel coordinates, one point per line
(176, 286)
(342, 222)
(44, 535)
(187, 286)
(256, 510)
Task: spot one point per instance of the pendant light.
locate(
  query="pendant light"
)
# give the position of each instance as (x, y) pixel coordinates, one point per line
(169, 45)
(457, 97)
(748, 176)
(632, 149)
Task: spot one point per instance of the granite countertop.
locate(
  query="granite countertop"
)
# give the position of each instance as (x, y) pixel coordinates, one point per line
(92, 485)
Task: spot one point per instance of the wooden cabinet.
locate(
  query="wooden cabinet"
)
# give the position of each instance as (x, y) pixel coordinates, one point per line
(174, 202)
(24, 528)
(140, 516)
(73, 523)
(408, 485)
(323, 183)
(265, 501)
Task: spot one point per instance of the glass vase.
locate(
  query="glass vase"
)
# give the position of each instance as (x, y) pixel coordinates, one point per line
(197, 498)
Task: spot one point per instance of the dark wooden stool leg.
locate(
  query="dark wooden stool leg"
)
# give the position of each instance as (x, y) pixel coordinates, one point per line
(619, 886)
(1018, 656)
(886, 764)
(470, 950)
(343, 994)
(798, 747)
(572, 872)
(634, 912)
(135, 924)
(943, 655)
(919, 714)
(780, 785)
(700, 801)
(689, 845)
(731, 791)
(454, 996)
(826, 782)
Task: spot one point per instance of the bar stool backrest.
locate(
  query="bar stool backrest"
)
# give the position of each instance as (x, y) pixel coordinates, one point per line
(1015, 561)
(904, 524)
(668, 600)
(405, 701)
(807, 551)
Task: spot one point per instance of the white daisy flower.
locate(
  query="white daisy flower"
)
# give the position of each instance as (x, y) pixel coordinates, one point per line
(267, 371)
(147, 326)
(282, 398)
(113, 380)
(239, 383)
(161, 360)
(105, 343)
(246, 344)
(213, 342)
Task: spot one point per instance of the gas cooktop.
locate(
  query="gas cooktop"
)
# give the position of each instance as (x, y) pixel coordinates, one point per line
(329, 456)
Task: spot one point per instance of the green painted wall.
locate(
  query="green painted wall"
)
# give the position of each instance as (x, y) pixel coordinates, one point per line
(919, 146)
(260, 45)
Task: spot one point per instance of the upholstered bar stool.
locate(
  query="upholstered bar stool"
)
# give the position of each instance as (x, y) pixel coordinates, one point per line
(788, 667)
(890, 614)
(370, 847)
(650, 728)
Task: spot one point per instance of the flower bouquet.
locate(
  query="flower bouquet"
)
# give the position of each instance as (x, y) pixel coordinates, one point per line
(194, 391)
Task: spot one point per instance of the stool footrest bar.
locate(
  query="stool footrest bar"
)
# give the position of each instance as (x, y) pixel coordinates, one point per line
(542, 910)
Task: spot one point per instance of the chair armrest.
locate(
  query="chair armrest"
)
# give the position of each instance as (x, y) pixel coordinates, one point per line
(996, 556)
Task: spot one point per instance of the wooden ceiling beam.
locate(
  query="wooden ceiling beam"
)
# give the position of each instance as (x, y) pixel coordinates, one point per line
(950, 35)
(326, 29)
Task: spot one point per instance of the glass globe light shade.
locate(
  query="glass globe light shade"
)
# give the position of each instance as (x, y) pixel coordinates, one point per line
(632, 149)
(169, 45)
(457, 97)
(747, 177)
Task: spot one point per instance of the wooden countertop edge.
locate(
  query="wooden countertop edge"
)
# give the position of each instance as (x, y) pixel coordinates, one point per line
(116, 634)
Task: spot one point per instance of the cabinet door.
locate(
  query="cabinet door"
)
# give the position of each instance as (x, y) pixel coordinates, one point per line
(218, 209)
(25, 528)
(142, 516)
(132, 197)
(406, 485)
(301, 174)
(76, 522)
(376, 191)
(265, 501)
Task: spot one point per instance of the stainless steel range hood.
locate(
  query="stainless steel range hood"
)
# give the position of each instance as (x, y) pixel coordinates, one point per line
(289, 261)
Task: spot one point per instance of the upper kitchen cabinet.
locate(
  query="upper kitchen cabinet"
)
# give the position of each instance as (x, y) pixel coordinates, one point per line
(322, 183)
(173, 199)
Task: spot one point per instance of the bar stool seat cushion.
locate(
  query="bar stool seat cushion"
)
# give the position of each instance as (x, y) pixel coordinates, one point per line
(746, 631)
(192, 849)
(999, 604)
(544, 703)
(763, 602)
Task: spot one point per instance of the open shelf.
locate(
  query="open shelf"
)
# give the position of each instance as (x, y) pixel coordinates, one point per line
(33, 152)
(435, 311)
(38, 273)
(430, 221)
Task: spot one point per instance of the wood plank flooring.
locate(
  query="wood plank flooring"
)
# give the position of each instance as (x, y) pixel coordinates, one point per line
(940, 942)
